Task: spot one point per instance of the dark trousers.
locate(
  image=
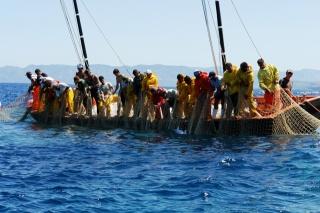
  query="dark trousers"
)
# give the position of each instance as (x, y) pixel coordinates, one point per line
(123, 96)
(233, 104)
(218, 96)
(96, 96)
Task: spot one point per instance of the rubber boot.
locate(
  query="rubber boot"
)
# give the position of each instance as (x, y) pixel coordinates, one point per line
(214, 113)
(222, 113)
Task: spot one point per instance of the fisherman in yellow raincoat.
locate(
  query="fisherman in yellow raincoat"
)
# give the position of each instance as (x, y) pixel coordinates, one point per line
(130, 96)
(182, 96)
(148, 82)
(268, 76)
(191, 95)
(230, 80)
(246, 79)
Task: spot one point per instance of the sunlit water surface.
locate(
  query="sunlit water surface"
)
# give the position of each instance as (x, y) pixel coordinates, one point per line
(75, 169)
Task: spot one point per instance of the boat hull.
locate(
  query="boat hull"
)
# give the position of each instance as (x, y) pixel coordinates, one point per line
(312, 106)
(257, 126)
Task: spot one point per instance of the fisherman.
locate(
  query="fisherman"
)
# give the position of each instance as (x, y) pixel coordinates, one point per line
(182, 96)
(191, 96)
(268, 76)
(150, 81)
(38, 90)
(32, 79)
(202, 83)
(93, 85)
(40, 74)
(218, 93)
(286, 82)
(137, 81)
(63, 90)
(230, 81)
(169, 109)
(81, 96)
(106, 97)
(80, 72)
(158, 100)
(203, 91)
(246, 79)
(130, 96)
(119, 85)
(137, 85)
(46, 93)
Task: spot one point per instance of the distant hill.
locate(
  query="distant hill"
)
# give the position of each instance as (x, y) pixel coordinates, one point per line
(306, 79)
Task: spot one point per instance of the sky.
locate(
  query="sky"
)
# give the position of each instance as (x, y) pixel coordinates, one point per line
(286, 33)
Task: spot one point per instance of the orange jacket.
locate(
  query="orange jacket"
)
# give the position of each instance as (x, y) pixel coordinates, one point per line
(202, 84)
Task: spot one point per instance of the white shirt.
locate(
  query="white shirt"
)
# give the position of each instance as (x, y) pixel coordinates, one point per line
(106, 88)
(61, 89)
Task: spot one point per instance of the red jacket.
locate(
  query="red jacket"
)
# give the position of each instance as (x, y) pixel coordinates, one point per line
(157, 97)
(202, 84)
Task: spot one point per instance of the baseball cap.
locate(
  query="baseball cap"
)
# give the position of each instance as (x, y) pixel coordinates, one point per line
(289, 71)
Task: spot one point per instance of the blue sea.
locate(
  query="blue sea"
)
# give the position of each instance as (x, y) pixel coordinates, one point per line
(45, 168)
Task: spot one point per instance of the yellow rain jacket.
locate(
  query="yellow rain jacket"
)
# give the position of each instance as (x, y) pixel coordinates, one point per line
(191, 92)
(69, 96)
(182, 91)
(246, 79)
(182, 98)
(130, 99)
(232, 80)
(148, 83)
(267, 78)
(246, 88)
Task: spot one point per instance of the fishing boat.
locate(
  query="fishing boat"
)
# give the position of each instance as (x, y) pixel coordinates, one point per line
(290, 118)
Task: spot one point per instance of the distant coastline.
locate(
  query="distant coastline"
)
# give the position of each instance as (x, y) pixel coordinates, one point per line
(305, 79)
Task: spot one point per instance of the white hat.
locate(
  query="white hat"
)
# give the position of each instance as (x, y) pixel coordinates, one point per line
(47, 78)
(54, 84)
(34, 76)
(149, 72)
(79, 66)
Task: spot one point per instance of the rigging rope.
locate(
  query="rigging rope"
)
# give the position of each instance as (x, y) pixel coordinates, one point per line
(106, 39)
(70, 28)
(217, 33)
(209, 35)
(246, 29)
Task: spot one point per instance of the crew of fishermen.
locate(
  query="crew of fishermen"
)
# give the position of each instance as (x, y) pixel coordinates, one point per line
(233, 92)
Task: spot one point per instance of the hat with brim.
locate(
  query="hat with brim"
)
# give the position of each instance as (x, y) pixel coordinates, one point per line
(290, 71)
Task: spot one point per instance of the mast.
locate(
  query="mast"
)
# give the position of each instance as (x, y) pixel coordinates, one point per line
(86, 62)
(223, 56)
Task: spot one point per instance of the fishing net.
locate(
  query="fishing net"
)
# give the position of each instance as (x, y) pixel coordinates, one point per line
(283, 116)
(16, 110)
